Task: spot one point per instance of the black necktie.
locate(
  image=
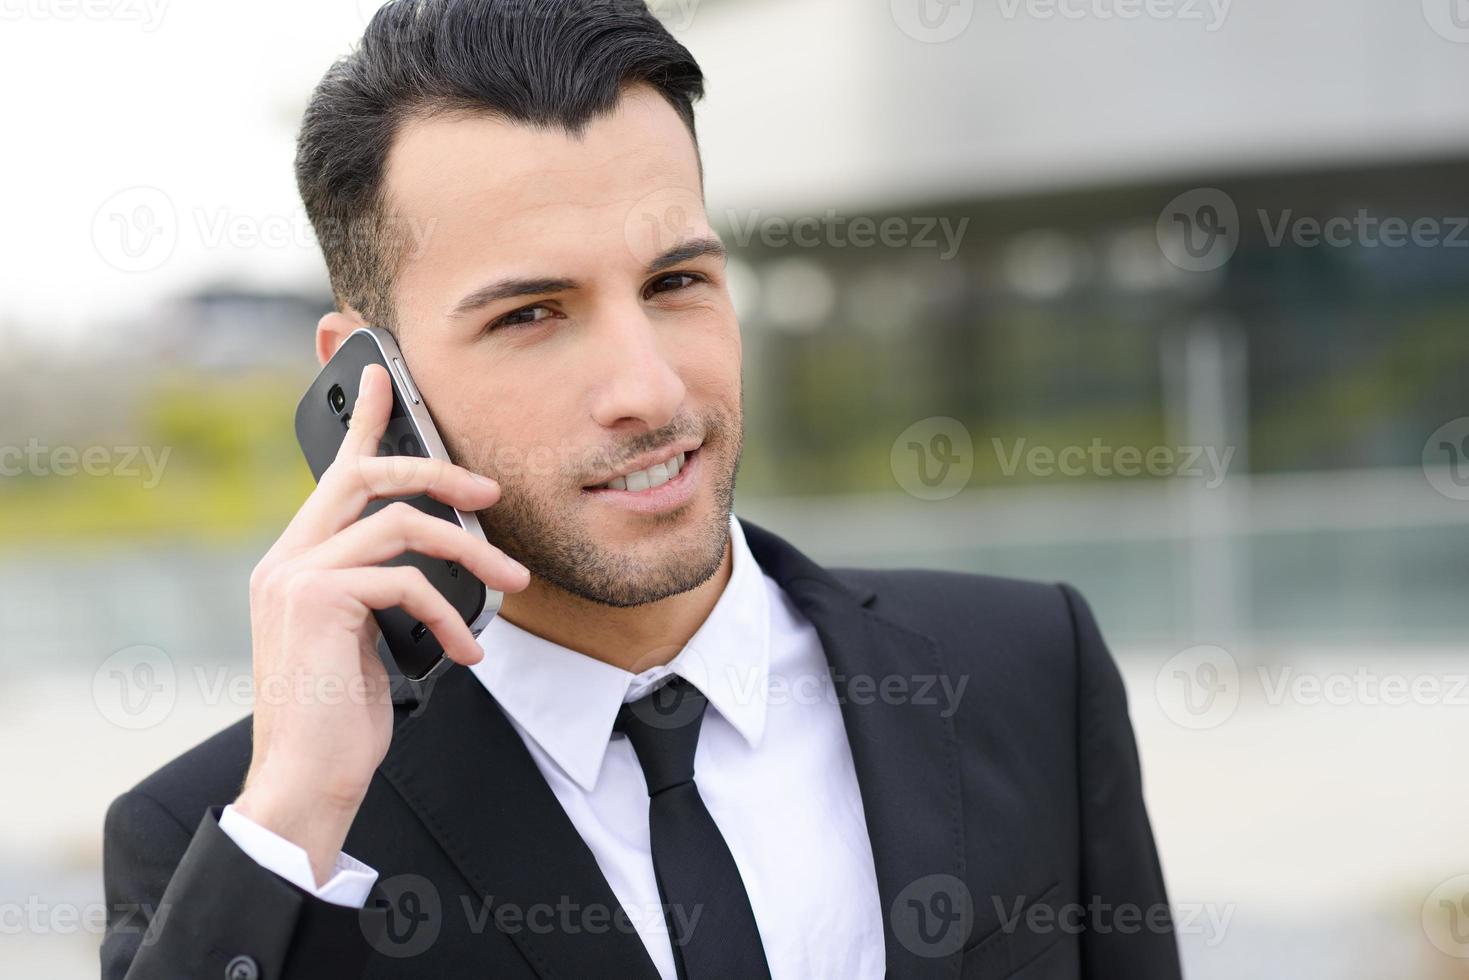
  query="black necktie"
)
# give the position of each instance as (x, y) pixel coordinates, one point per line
(695, 872)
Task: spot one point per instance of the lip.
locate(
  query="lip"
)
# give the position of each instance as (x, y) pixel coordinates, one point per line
(649, 458)
(675, 493)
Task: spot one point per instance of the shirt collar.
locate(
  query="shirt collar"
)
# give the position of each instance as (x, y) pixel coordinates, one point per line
(567, 701)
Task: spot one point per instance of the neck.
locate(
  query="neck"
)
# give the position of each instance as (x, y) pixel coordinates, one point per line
(634, 638)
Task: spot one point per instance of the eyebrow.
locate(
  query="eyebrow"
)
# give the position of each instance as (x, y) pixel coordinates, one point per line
(501, 289)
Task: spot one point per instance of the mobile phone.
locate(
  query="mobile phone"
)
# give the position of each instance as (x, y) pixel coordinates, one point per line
(321, 425)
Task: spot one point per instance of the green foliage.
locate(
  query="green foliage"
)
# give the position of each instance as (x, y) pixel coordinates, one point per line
(232, 471)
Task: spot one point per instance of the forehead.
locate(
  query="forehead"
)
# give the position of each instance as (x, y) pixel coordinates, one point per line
(484, 190)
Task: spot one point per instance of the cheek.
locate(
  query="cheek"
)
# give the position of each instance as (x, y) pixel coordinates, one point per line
(515, 428)
(712, 365)
(706, 350)
(472, 408)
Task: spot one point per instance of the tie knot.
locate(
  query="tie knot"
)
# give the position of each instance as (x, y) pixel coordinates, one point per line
(663, 726)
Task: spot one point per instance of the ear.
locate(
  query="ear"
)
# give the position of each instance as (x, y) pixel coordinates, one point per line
(334, 328)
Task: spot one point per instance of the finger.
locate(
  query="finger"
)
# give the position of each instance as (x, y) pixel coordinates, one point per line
(368, 478)
(370, 414)
(349, 485)
(401, 527)
(365, 429)
(406, 587)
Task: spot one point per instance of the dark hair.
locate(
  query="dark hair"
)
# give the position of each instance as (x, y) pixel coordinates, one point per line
(539, 62)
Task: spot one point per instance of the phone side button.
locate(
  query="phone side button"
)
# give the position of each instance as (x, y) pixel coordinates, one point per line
(403, 375)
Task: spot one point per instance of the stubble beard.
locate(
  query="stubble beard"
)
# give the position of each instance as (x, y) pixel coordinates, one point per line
(550, 537)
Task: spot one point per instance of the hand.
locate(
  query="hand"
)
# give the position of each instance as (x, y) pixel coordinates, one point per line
(325, 729)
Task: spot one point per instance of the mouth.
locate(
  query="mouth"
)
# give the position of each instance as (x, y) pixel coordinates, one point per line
(660, 485)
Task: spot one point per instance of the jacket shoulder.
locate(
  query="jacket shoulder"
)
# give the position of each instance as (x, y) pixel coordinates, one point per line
(209, 774)
(1014, 626)
(927, 599)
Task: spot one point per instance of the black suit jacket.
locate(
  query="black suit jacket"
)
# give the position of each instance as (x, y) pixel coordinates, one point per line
(1009, 834)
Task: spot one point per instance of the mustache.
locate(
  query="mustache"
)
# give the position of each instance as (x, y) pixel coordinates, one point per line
(545, 464)
(604, 462)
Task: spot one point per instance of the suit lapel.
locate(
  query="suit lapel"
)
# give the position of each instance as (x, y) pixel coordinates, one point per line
(465, 771)
(905, 751)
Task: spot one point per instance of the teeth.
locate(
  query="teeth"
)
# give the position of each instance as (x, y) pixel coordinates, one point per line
(654, 476)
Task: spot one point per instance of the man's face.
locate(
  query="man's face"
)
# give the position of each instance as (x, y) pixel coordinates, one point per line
(565, 313)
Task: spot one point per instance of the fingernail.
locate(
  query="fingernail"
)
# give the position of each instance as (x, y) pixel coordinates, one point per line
(516, 564)
(480, 478)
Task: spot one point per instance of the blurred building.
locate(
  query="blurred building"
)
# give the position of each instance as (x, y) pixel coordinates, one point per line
(1060, 226)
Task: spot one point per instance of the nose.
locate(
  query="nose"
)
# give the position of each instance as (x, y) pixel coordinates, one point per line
(639, 387)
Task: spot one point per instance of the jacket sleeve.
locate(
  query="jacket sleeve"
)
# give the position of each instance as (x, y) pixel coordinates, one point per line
(1121, 875)
(351, 881)
(181, 905)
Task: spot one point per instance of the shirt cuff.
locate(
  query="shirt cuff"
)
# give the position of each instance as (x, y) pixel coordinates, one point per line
(349, 884)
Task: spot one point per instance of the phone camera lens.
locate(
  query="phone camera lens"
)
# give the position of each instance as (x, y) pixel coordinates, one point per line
(337, 399)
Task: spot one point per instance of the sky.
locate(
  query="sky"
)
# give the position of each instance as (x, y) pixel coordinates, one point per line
(168, 118)
(149, 143)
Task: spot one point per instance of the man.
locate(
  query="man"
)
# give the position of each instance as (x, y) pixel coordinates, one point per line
(682, 749)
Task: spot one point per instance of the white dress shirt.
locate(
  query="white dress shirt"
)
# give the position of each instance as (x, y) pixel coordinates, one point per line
(773, 766)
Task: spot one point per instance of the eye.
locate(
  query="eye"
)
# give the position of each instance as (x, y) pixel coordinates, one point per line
(672, 283)
(522, 317)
